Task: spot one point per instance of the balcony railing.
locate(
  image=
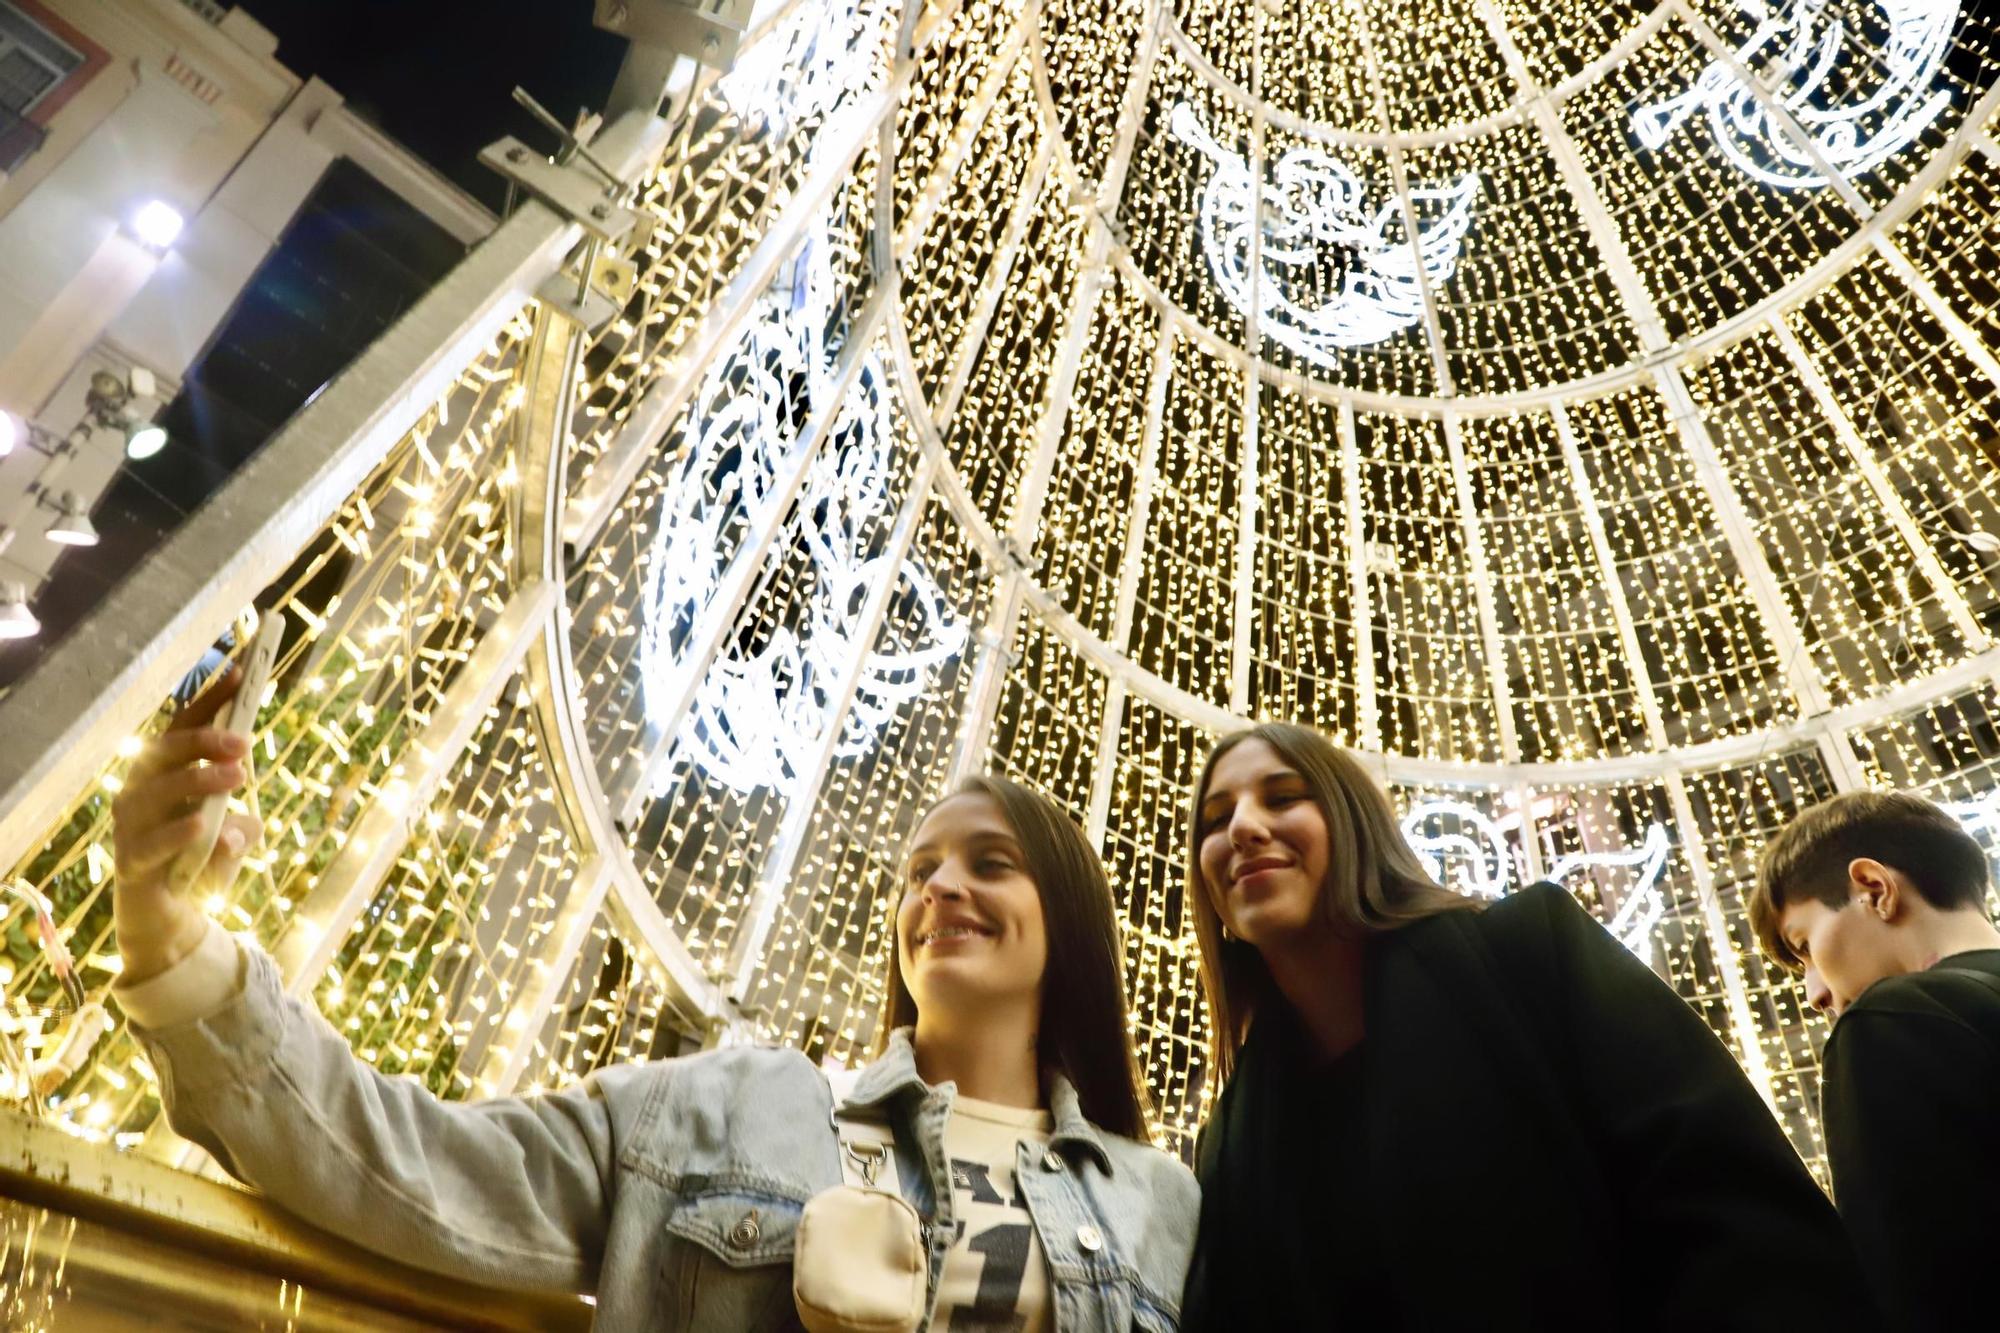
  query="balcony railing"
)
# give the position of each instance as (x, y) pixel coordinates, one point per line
(19, 138)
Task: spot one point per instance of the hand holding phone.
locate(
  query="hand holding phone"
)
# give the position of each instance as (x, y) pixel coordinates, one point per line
(241, 715)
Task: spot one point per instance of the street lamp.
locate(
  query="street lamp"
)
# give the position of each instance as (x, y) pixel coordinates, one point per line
(143, 439)
(72, 526)
(16, 620)
(109, 402)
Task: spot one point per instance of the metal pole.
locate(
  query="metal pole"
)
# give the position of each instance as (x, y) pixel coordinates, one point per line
(318, 925)
(1597, 219)
(499, 1071)
(1104, 768)
(1032, 497)
(1964, 337)
(951, 155)
(1249, 473)
(1614, 587)
(1482, 590)
(989, 674)
(1741, 536)
(1133, 112)
(627, 455)
(1735, 993)
(993, 283)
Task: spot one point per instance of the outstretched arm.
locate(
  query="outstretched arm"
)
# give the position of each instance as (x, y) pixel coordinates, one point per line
(512, 1192)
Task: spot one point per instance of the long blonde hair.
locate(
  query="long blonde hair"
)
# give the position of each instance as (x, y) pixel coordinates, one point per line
(1374, 882)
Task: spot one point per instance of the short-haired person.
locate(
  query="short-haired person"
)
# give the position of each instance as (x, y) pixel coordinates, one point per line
(1879, 899)
(1443, 1114)
(674, 1190)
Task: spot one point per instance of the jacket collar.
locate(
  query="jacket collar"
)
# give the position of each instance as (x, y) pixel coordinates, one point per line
(894, 1077)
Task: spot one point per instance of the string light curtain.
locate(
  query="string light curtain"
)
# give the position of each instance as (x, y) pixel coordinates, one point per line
(1586, 413)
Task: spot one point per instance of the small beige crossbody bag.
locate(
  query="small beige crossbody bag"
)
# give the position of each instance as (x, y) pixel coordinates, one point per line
(859, 1265)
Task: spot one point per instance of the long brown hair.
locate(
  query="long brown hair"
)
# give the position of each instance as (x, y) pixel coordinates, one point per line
(1374, 882)
(1083, 1033)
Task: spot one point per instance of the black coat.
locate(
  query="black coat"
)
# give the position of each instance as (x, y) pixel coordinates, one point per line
(1912, 1097)
(1556, 1141)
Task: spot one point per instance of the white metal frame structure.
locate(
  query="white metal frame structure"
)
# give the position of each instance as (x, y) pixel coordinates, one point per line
(788, 881)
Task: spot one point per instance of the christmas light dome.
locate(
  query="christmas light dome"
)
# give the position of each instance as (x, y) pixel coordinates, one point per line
(1589, 414)
(1586, 416)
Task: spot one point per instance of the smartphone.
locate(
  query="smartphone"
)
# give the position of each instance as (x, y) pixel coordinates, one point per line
(239, 716)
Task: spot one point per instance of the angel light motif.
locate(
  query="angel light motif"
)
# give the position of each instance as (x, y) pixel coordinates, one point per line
(1800, 48)
(823, 55)
(761, 712)
(760, 716)
(1315, 215)
(1641, 906)
(1460, 847)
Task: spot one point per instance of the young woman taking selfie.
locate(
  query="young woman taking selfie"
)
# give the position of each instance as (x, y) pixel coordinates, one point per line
(1441, 1114)
(985, 1170)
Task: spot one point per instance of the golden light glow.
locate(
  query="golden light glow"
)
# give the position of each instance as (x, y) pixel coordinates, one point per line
(1672, 508)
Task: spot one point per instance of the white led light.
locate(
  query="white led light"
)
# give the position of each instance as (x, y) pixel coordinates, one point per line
(72, 526)
(158, 224)
(12, 431)
(144, 439)
(1980, 815)
(1641, 905)
(823, 54)
(1468, 849)
(16, 620)
(758, 718)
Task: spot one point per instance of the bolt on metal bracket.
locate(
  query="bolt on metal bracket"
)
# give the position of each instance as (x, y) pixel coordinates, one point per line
(572, 190)
(613, 278)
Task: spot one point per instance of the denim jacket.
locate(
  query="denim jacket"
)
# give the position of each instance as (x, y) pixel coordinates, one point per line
(672, 1190)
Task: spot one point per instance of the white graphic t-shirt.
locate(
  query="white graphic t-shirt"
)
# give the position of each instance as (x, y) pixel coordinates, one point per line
(995, 1279)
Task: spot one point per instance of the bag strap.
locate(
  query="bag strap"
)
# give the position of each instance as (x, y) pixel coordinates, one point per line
(867, 1141)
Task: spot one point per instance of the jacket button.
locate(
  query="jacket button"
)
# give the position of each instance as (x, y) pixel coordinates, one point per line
(1090, 1238)
(744, 1234)
(1052, 1160)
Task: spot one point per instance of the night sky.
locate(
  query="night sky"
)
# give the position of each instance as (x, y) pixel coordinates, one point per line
(438, 74)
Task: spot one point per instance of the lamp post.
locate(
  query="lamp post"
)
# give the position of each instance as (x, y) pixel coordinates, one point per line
(113, 402)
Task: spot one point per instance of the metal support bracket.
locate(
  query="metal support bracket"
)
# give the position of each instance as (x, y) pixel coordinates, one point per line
(709, 30)
(591, 305)
(573, 191)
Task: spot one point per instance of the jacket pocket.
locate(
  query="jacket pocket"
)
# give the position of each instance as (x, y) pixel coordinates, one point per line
(730, 1262)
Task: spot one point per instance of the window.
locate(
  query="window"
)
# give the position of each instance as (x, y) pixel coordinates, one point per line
(32, 60)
